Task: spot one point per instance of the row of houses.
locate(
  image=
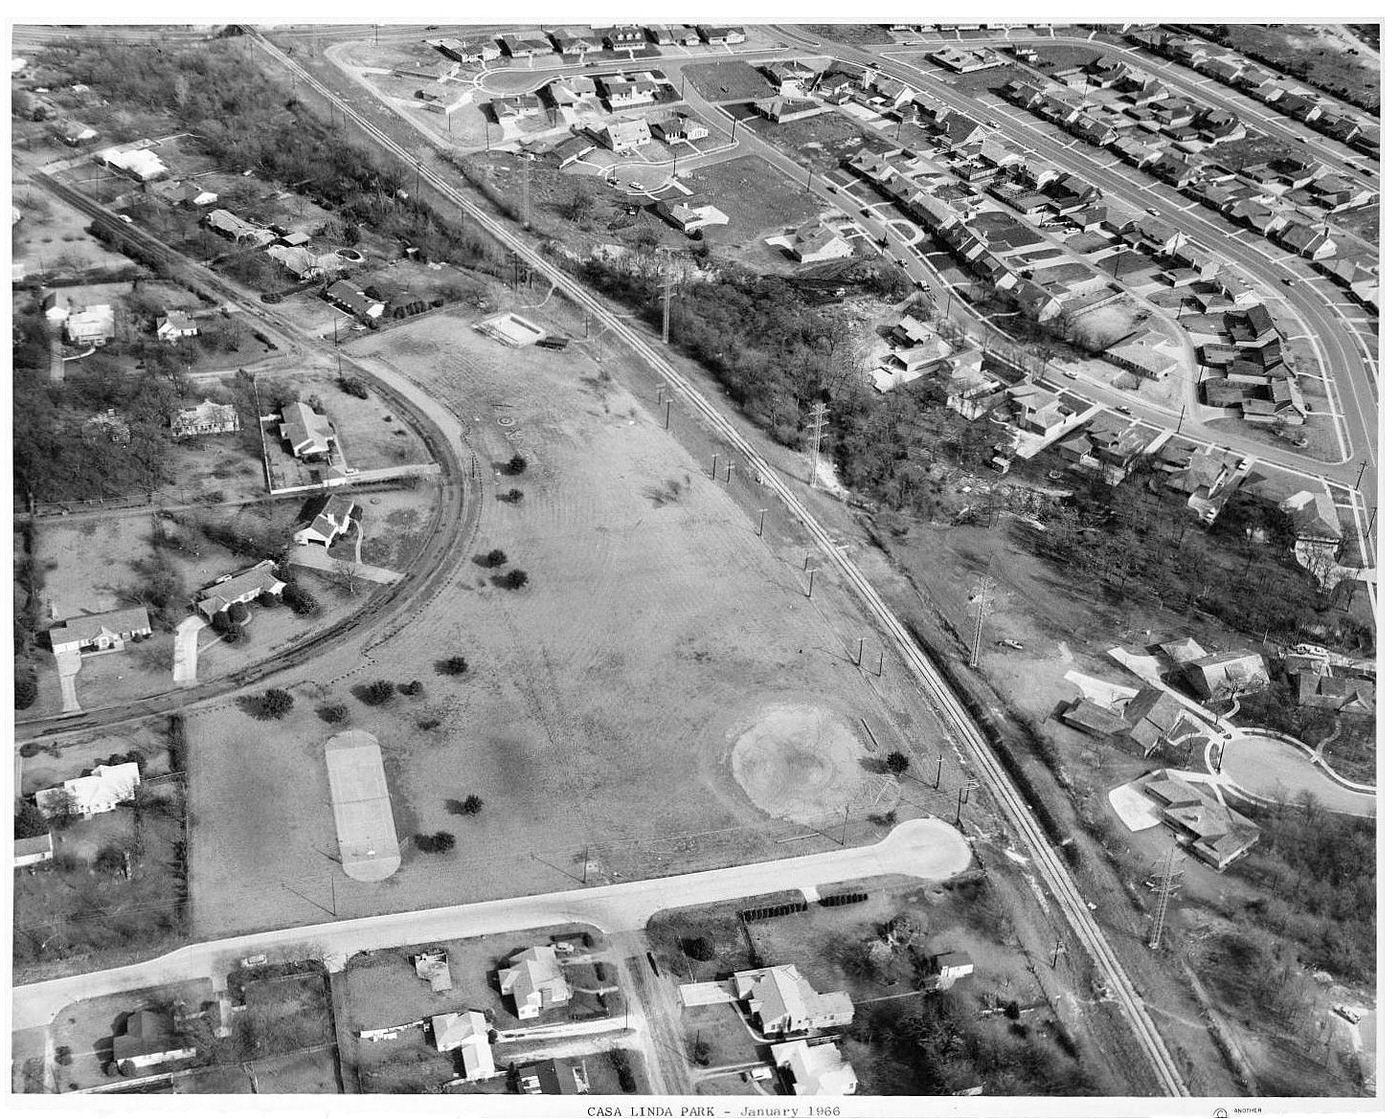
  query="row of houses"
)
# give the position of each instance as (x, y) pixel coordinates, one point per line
(1352, 127)
(583, 41)
(1165, 138)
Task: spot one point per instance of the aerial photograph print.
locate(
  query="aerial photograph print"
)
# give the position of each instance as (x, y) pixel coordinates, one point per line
(685, 565)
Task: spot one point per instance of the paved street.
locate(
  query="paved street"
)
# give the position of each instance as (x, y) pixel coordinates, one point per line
(927, 848)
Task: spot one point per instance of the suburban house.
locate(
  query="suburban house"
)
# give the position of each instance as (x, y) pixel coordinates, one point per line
(691, 219)
(1152, 717)
(100, 791)
(516, 105)
(949, 967)
(309, 433)
(205, 418)
(100, 633)
(535, 982)
(1350, 695)
(148, 1038)
(1092, 718)
(577, 40)
(818, 241)
(526, 45)
(571, 149)
(140, 163)
(244, 587)
(233, 227)
(1215, 832)
(92, 326)
(353, 301)
(1226, 675)
(330, 517)
(815, 1070)
(781, 1001)
(679, 128)
(780, 109)
(714, 35)
(558, 1076)
(174, 325)
(469, 1035)
(183, 194)
(627, 91)
(624, 135)
(36, 849)
(624, 37)
(75, 132)
(433, 969)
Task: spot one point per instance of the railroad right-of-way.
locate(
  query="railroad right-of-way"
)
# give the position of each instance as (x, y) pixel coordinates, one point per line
(995, 778)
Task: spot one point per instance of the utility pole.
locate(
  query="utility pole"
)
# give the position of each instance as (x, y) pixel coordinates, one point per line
(666, 303)
(1167, 883)
(1059, 951)
(983, 588)
(818, 415)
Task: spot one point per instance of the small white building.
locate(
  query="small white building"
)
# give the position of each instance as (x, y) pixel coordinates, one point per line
(174, 325)
(36, 849)
(139, 163)
(101, 791)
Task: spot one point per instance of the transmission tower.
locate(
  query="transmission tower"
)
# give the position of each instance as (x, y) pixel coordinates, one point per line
(1167, 882)
(666, 280)
(983, 593)
(818, 415)
(525, 197)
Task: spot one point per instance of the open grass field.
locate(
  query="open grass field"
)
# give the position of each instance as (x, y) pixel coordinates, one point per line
(1319, 55)
(758, 200)
(51, 235)
(823, 142)
(728, 82)
(601, 701)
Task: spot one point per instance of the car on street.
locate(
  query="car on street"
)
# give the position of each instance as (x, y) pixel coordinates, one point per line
(901, 263)
(922, 285)
(1154, 213)
(636, 185)
(125, 217)
(1124, 409)
(1288, 281)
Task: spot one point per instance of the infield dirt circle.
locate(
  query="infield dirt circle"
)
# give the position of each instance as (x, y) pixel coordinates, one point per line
(798, 761)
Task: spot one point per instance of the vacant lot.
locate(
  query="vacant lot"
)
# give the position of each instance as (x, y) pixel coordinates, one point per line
(727, 82)
(758, 200)
(821, 142)
(600, 699)
(1318, 55)
(50, 236)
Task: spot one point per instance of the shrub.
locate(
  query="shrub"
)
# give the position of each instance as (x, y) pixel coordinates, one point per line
(29, 821)
(63, 1055)
(272, 704)
(435, 843)
(511, 580)
(354, 386)
(700, 948)
(266, 600)
(376, 694)
(510, 497)
(29, 750)
(413, 687)
(239, 614)
(26, 692)
(429, 724)
(494, 558)
(301, 601)
(896, 762)
(452, 666)
(515, 466)
(470, 806)
(333, 713)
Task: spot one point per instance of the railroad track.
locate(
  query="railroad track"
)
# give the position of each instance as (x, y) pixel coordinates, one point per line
(995, 778)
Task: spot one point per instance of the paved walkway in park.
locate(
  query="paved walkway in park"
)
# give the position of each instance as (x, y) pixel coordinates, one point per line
(1275, 770)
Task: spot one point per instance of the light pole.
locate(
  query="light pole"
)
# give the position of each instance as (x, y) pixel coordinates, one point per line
(1359, 474)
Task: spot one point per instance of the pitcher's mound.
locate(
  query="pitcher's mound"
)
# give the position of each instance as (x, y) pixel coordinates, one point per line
(798, 762)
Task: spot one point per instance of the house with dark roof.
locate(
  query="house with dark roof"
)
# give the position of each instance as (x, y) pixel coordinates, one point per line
(244, 586)
(309, 434)
(1153, 715)
(558, 1076)
(1237, 672)
(148, 1038)
(1094, 719)
(329, 518)
(1213, 831)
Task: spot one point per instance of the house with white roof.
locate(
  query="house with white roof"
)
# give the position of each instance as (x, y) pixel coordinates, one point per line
(469, 1035)
(174, 325)
(781, 1001)
(815, 1070)
(205, 418)
(92, 325)
(100, 791)
(330, 518)
(535, 982)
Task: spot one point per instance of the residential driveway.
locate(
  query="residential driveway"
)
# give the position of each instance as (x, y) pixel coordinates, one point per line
(1274, 770)
(316, 557)
(69, 665)
(186, 663)
(924, 848)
